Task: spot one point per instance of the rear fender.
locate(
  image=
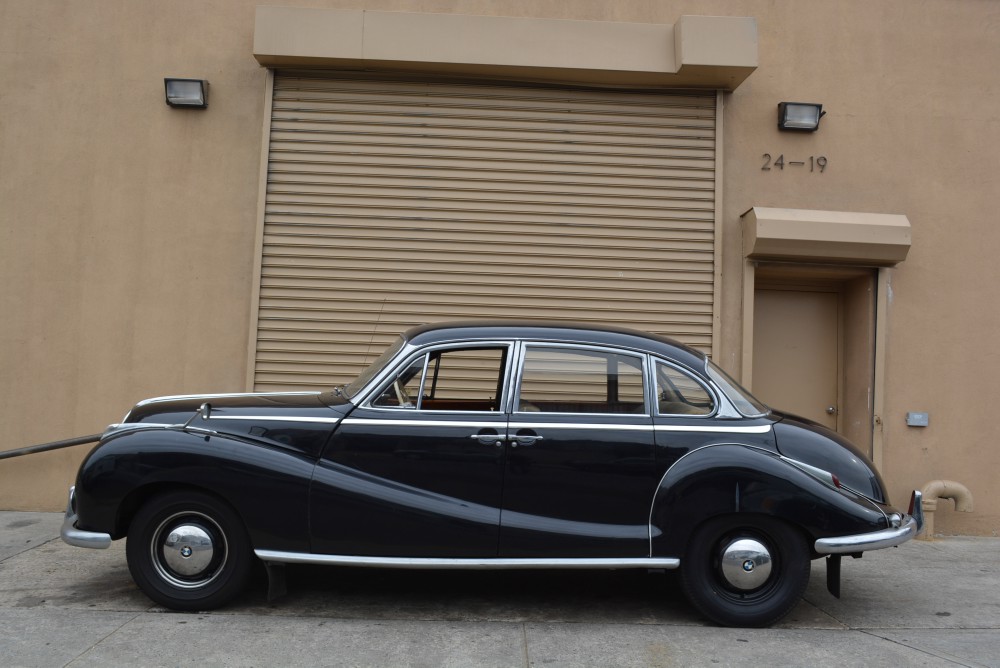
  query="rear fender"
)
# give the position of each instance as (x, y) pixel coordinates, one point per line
(732, 478)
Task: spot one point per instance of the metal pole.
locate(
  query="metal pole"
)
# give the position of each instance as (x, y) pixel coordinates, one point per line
(45, 447)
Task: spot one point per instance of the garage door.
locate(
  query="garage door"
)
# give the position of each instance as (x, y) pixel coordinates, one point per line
(398, 201)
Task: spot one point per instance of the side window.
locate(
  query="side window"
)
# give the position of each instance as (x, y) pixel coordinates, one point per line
(458, 379)
(404, 389)
(678, 393)
(565, 380)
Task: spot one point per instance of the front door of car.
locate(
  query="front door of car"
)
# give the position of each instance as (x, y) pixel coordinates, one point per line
(580, 466)
(417, 469)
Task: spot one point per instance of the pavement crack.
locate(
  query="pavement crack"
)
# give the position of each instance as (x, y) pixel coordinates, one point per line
(937, 655)
(28, 548)
(105, 637)
(524, 645)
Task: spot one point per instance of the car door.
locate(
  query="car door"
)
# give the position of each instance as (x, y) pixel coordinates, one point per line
(580, 472)
(416, 470)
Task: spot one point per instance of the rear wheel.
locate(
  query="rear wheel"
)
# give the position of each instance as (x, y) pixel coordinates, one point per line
(188, 551)
(745, 571)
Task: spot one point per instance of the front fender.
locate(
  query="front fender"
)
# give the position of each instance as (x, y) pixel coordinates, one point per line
(732, 478)
(267, 486)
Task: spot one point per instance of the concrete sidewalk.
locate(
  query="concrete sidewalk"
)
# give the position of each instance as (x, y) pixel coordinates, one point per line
(923, 604)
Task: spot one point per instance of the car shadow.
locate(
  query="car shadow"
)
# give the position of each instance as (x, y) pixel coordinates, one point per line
(599, 596)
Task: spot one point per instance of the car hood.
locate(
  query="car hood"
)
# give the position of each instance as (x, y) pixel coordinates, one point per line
(300, 421)
(179, 409)
(811, 443)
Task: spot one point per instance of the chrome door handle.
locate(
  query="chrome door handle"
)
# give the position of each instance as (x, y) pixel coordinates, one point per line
(830, 410)
(489, 439)
(524, 440)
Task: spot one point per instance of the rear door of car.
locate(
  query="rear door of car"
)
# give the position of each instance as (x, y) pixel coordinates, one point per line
(417, 469)
(580, 469)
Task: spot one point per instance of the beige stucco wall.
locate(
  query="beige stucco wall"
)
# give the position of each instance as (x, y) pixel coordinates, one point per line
(126, 228)
(911, 128)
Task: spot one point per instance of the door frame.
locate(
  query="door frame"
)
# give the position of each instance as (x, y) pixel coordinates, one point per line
(879, 312)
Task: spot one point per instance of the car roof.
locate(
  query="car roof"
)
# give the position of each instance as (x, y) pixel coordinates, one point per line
(555, 331)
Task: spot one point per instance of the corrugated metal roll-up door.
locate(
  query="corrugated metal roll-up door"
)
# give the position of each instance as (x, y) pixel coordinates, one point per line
(397, 201)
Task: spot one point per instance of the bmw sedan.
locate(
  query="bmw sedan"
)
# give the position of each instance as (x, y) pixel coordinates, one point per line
(490, 445)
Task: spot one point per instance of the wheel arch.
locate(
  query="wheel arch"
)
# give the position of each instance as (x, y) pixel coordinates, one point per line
(138, 497)
(738, 479)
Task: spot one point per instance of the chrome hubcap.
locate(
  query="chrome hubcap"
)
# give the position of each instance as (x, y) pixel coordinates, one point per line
(189, 550)
(746, 564)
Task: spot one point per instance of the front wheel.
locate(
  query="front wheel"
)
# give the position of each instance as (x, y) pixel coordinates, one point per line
(745, 571)
(188, 551)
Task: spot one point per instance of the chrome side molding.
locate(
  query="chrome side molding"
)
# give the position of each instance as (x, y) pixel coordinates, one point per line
(485, 563)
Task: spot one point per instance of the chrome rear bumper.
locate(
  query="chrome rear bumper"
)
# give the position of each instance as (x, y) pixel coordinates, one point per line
(909, 526)
(77, 537)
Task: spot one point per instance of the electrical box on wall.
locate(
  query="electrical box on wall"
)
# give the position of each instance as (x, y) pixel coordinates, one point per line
(918, 419)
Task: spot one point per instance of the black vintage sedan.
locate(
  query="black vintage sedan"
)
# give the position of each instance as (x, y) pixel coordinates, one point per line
(490, 445)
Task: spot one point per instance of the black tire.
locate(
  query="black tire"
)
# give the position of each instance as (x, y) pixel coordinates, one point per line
(727, 578)
(188, 551)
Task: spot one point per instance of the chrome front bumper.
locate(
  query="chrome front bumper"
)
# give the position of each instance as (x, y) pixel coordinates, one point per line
(77, 537)
(909, 526)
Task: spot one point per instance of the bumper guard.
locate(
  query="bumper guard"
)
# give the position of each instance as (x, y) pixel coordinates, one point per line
(77, 537)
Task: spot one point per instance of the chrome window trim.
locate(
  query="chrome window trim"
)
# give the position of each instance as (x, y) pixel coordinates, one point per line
(727, 409)
(706, 383)
(418, 405)
(554, 413)
(513, 388)
(513, 371)
(736, 413)
(518, 372)
(443, 413)
(472, 424)
(409, 352)
(363, 396)
(474, 563)
(391, 352)
(382, 388)
(578, 425)
(513, 423)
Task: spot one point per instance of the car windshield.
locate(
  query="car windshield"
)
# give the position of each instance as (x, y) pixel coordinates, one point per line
(373, 369)
(744, 401)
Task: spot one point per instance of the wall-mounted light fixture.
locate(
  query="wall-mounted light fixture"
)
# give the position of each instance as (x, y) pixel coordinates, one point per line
(800, 116)
(189, 93)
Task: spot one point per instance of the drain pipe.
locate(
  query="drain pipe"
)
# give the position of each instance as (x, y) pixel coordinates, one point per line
(943, 489)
